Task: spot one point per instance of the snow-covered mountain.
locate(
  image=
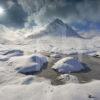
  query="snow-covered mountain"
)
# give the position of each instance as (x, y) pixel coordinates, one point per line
(56, 28)
(59, 28)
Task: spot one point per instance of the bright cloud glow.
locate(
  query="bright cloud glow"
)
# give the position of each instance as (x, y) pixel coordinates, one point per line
(1, 11)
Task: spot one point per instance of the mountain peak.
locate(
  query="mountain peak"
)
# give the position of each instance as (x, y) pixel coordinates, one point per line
(57, 21)
(56, 25)
(59, 28)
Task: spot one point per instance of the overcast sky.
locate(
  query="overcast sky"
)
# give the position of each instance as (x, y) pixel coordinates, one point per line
(25, 12)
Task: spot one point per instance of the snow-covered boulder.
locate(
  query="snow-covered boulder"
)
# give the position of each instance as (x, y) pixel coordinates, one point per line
(28, 64)
(29, 69)
(94, 54)
(97, 54)
(7, 54)
(3, 58)
(66, 78)
(11, 53)
(38, 58)
(68, 64)
(55, 55)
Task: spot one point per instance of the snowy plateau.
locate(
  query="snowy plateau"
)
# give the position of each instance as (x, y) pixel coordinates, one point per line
(54, 62)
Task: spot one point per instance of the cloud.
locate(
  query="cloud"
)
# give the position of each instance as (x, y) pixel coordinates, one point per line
(14, 14)
(42, 11)
(33, 12)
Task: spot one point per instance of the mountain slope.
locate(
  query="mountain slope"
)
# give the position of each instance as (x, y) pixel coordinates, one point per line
(56, 28)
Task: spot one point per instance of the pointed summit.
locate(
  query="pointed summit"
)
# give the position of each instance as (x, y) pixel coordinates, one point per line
(57, 21)
(59, 28)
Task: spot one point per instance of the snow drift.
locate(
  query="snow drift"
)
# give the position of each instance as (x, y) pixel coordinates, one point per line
(44, 91)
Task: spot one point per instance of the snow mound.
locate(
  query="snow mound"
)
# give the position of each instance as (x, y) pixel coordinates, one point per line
(68, 64)
(12, 53)
(45, 91)
(28, 64)
(7, 54)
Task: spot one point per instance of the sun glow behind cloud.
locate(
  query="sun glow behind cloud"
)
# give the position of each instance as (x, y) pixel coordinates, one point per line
(2, 11)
